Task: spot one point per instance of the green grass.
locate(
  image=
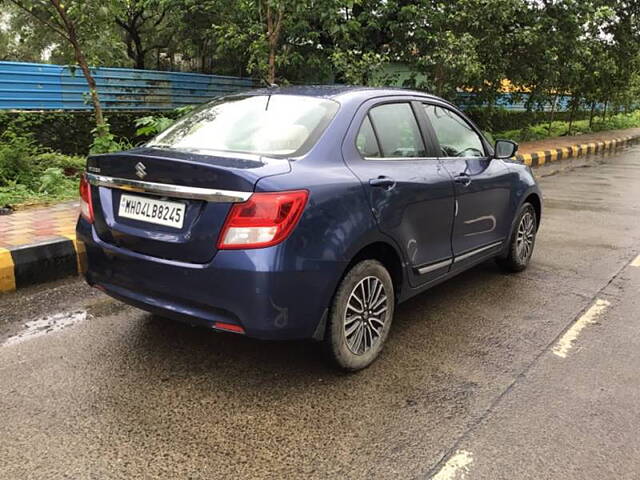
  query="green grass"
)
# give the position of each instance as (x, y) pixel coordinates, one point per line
(559, 129)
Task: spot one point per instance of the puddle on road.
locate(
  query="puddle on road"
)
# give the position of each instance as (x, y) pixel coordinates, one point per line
(46, 325)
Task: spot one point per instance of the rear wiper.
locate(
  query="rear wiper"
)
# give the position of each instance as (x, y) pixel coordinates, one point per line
(162, 145)
(171, 147)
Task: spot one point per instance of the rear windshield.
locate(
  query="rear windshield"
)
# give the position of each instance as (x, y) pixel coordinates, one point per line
(276, 125)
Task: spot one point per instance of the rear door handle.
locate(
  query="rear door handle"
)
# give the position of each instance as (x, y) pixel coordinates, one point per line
(463, 179)
(384, 182)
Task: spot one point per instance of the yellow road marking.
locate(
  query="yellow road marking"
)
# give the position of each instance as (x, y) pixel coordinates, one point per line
(7, 274)
(456, 467)
(526, 158)
(636, 262)
(567, 341)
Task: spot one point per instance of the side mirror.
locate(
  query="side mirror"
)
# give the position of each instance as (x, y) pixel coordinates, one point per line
(505, 149)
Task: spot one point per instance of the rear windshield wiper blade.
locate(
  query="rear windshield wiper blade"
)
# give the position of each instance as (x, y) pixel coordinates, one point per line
(162, 145)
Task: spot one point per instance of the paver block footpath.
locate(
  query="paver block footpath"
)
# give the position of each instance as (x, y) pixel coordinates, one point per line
(38, 245)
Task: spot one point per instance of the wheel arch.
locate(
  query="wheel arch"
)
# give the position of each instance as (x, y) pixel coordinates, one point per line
(378, 250)
(535, 200)
(387, 255)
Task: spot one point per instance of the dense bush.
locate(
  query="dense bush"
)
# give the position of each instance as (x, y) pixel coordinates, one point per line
(31, 168)
(500, 119)
(31, 171)
(71, 132)
(31, 174)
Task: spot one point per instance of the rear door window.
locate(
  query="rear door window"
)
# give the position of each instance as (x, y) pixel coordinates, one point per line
(397, 131)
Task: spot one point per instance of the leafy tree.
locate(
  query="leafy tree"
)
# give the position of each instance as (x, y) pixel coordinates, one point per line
(361, 68)
(68, 21)
(6, 37)
(621, 33)
(101, 40)
(273, 40)
(272, 13)
(224, 30)
(21, 37)
(146, 26)
(359, 40)
(547, 49)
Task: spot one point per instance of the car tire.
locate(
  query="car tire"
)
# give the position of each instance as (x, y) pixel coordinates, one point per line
(360, 317)
(522, 241)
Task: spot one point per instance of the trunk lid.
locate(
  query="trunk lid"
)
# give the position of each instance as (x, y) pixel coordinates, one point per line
(195, 241)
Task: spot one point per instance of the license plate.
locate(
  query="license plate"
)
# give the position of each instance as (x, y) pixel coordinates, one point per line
(160, 212)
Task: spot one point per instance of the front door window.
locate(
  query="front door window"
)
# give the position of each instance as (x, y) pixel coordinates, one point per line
(455, 135)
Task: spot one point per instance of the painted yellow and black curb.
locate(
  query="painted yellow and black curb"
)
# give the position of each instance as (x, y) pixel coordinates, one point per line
(32, 264)
(537, 159)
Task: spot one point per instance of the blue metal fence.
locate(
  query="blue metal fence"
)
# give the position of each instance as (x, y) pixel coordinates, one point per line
(515, 102)
(35, 86)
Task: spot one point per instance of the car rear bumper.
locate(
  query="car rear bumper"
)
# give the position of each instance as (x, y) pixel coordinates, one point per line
(254, 289)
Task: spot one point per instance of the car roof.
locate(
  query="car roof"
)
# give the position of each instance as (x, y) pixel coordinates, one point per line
(339, 91)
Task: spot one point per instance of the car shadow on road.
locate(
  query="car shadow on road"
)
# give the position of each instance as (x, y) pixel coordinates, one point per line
(179, 349)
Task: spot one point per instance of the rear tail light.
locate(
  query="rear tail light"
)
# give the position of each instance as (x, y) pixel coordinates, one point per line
(86, 205)
(262, 221)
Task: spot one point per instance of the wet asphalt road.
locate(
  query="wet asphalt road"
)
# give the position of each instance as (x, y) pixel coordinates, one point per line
(467, 387)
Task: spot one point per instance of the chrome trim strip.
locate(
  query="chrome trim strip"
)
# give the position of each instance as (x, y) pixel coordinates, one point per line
(481, 219)
(379, 159)
(167, 190)
(477, 251)
(435, 266)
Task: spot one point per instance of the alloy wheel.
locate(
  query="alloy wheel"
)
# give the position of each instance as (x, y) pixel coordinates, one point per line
(365, 315)
(525, 237)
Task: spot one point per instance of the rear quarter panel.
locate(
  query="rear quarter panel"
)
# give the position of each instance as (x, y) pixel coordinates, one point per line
(336, 224)
(523, 185)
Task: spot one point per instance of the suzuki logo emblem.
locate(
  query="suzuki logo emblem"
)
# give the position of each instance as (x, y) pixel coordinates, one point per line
(141, 170)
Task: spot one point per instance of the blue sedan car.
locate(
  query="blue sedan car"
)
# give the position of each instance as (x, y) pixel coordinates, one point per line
(305, 213)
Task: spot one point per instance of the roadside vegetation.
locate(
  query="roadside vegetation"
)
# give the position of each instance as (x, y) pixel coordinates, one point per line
(30, 174)
(579, 127)
(544, 51)
(573, 65)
